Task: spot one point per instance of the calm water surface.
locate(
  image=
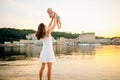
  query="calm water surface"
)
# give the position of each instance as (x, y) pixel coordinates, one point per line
(81, 62)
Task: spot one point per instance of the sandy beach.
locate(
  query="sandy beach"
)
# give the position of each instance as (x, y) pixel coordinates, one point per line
(65, 68)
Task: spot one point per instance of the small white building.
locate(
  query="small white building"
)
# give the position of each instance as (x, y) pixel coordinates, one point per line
(31, 37)
(7, 43)
(87, 38)
(28, 41)
(17, 43)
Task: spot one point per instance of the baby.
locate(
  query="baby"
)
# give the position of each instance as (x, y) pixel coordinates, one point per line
(53, 14)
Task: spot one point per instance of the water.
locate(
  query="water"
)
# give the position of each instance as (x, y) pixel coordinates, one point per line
(73, 62)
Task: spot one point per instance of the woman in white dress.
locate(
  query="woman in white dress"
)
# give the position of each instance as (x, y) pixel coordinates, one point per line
(47, 54)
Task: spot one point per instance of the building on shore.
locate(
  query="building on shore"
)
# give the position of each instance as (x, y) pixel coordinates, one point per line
(84, 38)
(87, 38)
(103, 41)
(115, 41)
(31, 37)
(6, 43)
(63, 40)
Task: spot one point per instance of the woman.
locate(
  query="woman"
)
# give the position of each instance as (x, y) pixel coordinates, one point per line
(47, 54)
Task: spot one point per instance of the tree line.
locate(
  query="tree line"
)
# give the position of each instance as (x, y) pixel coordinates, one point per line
(12, 34)
(57, 35)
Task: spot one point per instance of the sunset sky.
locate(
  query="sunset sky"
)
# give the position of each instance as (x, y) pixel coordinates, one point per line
(77, 16)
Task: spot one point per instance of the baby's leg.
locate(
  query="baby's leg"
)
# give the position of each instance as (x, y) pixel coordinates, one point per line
(58, 23)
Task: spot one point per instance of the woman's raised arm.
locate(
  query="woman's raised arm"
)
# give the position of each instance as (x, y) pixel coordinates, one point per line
(52, 27)
(50, 23)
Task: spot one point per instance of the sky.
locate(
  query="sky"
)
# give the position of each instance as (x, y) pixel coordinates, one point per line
(77, 16)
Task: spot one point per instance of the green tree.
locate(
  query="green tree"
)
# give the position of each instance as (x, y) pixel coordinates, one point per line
(11, 34)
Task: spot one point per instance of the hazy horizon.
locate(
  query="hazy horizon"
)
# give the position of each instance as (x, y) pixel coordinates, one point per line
(99, 16)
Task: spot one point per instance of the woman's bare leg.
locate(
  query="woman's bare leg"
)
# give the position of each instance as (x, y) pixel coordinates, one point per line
(49, 73)
(41, 71)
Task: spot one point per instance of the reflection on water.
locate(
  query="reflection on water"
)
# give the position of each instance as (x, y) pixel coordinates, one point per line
(30, 51)
(34, 51)
(87, 50)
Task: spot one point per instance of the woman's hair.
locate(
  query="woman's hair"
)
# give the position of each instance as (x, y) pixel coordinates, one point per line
(41, 31)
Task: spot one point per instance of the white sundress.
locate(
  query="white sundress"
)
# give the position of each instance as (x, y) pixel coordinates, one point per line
(47, 52)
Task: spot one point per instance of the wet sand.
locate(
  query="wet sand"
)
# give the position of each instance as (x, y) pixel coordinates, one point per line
(65, 68)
